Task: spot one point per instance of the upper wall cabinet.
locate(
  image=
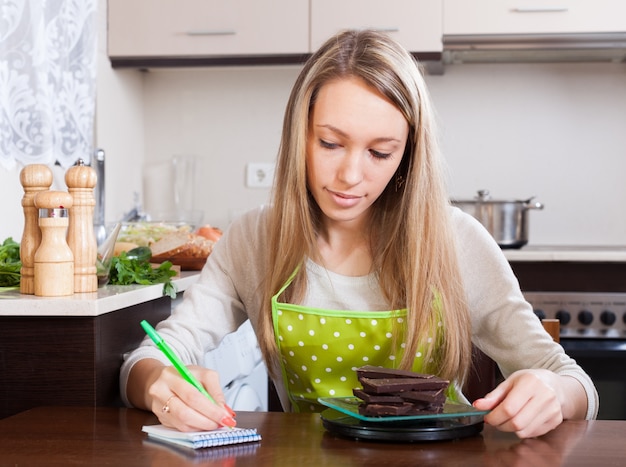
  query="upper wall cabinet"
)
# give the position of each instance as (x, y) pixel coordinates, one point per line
(482, 17)
(157, 31)
(417, 24)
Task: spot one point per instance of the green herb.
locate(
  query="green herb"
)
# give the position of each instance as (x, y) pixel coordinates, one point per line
(10, 263)
(126, 271)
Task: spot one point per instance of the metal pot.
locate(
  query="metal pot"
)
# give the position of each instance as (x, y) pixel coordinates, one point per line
(506, 220)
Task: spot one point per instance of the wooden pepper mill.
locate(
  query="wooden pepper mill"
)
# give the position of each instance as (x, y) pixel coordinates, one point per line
(81, 238)
(54, 261)
(34, 178)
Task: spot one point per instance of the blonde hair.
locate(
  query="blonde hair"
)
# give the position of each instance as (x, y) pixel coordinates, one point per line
(412, 245)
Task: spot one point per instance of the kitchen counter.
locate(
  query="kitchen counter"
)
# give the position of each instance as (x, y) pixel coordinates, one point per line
(574, 253)
(569, 268)
(107, 299)
(68, 350)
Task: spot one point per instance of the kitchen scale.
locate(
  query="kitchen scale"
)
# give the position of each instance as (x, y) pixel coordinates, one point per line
(455, 422)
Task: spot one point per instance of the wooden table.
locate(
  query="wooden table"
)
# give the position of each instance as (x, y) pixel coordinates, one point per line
(55, 436)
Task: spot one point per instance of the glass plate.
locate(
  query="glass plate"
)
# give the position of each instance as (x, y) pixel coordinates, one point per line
(350, 406)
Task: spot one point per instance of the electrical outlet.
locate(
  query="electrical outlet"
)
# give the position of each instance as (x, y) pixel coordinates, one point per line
(259, 174)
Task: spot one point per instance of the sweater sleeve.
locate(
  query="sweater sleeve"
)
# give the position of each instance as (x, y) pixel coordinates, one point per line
(224, 296)
(504, 325)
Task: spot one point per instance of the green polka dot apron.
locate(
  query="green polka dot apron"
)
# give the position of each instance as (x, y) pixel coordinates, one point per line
(320, 349)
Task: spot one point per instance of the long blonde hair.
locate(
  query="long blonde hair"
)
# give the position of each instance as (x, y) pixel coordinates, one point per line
(412, 245)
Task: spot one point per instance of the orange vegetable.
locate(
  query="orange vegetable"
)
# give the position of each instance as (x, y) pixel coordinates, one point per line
(209, 232)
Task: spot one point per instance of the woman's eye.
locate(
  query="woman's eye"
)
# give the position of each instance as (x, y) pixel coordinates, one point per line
(380, 155)
(328, 145)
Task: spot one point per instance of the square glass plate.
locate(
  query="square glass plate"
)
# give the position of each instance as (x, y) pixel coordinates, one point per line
(350, 406)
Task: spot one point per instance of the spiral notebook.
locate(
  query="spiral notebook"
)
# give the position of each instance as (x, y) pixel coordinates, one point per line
(202, 439)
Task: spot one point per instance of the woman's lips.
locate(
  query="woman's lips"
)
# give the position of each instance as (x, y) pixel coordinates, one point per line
(344, 200)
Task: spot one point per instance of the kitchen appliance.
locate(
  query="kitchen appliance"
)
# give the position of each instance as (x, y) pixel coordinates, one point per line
(593, 332)
(402, 432)
(506, 220)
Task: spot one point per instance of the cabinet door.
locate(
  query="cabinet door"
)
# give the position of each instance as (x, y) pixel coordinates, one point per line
(417, 24)
(201, 28)
(533, 16)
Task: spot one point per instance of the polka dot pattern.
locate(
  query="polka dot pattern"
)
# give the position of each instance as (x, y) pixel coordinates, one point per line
(320, 353)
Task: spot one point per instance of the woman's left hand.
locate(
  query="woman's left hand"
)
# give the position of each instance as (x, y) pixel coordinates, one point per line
(531, 402)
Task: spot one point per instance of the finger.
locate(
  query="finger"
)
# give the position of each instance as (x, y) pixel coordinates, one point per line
(211, 382)
(538, 414)
(185, 418)
(190, 410)
(493, 398)
(201, 412)
(542, 414)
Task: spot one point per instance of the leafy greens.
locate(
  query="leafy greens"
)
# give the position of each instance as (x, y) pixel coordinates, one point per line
(126, 271)
(10, 263)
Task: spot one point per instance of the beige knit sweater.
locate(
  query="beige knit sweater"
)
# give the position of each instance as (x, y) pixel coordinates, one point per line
(227, 293)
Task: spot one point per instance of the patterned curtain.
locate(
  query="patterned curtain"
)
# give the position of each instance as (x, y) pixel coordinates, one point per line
(47, 81)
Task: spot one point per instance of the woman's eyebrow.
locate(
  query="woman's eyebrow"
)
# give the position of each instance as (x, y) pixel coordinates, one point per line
(380, 139)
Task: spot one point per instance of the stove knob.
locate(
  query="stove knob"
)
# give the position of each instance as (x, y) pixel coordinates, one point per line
(563, 317)
(585, 317)
(608, 318)
(540, 313)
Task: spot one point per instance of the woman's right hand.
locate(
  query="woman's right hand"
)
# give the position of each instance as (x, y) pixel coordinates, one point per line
(176, 402)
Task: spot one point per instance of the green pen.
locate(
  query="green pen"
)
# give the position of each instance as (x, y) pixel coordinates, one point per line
(169, 353)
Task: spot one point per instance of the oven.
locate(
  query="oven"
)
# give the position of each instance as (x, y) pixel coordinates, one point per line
(593, 332)
(589, 300)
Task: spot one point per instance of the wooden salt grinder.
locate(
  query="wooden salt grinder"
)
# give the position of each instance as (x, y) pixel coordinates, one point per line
(34, 178)
(81, 238)
(54, 261)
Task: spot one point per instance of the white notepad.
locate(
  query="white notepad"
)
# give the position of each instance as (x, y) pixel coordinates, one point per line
(202, 439)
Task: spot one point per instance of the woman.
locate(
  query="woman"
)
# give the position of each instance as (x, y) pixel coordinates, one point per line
(360, 259)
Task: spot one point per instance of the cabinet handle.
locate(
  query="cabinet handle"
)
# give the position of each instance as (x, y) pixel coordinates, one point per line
(540, 9)
(211, 32)
(388, 29)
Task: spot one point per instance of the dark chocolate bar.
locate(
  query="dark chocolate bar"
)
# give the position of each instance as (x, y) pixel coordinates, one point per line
(370, 371)
(433, 397)
(384, 409)
(381, 410)
(388, 392)
(376, 399)
(394, 385)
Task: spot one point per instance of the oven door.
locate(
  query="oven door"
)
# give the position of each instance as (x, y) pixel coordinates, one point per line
(604, 360)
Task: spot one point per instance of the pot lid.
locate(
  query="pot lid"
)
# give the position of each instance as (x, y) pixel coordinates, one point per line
(484, 196)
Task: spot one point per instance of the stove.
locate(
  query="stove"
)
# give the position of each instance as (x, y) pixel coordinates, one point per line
(592, 332)
(583, 315)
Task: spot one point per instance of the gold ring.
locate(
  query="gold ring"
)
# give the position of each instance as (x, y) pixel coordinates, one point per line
(166, 407)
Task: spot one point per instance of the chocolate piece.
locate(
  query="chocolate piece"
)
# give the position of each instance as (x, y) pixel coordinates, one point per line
(370, 371)
(381, 410)
(433, 397)
(388, 392)
(394, 385)
(376, 399)
(386, 409)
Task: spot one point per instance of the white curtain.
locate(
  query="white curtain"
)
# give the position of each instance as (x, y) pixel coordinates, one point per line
(47, 81)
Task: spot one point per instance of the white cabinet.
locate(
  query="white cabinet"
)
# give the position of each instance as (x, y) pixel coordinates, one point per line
(533, 16)
(207, 28)
(417, 24)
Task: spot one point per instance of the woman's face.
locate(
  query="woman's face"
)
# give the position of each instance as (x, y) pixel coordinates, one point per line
(355, 142)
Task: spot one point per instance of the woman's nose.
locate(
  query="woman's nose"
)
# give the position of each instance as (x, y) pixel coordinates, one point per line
(350, 170)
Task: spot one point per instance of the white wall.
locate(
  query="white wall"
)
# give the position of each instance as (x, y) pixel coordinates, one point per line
(227, 117)
(554, 131)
